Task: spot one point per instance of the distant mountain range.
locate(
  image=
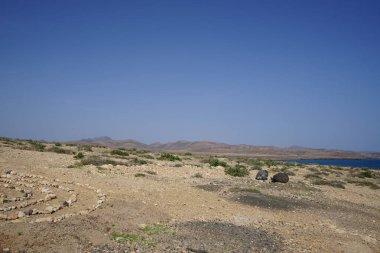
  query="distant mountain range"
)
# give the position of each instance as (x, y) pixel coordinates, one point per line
(207, 147)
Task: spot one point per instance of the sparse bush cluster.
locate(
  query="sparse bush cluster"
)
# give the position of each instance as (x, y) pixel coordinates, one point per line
(80, 155)
(214, 162)
(237, 171)
(119, 152)
(136, 161)
(38, 146)
(169, 157)
(59, 150)
(364, 183)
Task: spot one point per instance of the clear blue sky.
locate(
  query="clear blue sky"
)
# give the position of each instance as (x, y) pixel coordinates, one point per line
(280, 73)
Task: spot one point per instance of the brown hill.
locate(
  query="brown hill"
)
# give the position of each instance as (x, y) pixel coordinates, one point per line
(228, 149)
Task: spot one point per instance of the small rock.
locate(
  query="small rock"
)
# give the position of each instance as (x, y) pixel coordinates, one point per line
(20, 214)
(262, 175)
(6, 250)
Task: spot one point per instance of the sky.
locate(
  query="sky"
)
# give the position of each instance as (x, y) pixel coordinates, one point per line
(281, 73)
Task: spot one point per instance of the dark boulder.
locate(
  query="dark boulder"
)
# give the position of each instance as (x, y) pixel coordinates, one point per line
(280, 177)
(262, 175)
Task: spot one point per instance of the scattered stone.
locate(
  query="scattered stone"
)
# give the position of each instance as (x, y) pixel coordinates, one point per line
(262, 175)
(20, 214)
(6, 250)
(280, 177)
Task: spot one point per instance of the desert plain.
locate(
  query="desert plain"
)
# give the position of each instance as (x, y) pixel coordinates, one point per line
(57, 197)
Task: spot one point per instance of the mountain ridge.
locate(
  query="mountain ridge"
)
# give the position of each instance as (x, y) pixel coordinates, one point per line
(210, 147)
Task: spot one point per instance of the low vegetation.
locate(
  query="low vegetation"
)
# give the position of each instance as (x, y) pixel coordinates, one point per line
(128, 238)
(169, 157)
(312, 176)
(332, 183)
(37, 146)
(155, 229)
(59, 150)
(119, 152)
(364, 183)
(136, 161)
(237, 171)
(80, 155)
(87, 148)
(214, 162)
(197, 175)
(139, 175)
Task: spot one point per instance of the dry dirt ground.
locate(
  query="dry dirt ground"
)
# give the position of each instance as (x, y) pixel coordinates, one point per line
(53, 202)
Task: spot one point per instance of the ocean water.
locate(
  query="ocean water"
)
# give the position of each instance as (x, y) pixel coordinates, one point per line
(355, 163)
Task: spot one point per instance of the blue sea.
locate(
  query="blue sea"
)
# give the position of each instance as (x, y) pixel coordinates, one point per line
(355, 163)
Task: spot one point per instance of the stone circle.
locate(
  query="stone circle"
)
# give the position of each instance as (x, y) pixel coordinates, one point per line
(34, 198)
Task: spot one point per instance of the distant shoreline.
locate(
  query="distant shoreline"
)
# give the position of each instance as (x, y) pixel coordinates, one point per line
(369, 163)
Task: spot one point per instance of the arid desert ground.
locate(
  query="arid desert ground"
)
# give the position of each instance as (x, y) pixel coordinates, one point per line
(57, 197)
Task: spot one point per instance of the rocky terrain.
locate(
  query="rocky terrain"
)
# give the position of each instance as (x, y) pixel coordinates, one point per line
(58, 197)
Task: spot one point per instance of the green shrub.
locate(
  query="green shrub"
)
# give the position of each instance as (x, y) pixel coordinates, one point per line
(87, 148)
(57, 144)
(188, 154)
(271, 163)
(150, 172)
(119, 152)
(256, 167)
(136, 161)
(155, 229)
(169, 157)
(59, 150)
(364, 183)
(237, 171)
(214, 162)
(38, 146)
(139, 175)
(127, 238)
(366, 174)
(147, 156)
(80, 155)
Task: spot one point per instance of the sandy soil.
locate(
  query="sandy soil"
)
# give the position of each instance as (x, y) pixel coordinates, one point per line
(170, 210)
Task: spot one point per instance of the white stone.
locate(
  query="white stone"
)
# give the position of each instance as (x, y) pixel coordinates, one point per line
(21, 214)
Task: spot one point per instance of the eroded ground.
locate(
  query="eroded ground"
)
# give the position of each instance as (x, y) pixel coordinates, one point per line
(178, 206)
